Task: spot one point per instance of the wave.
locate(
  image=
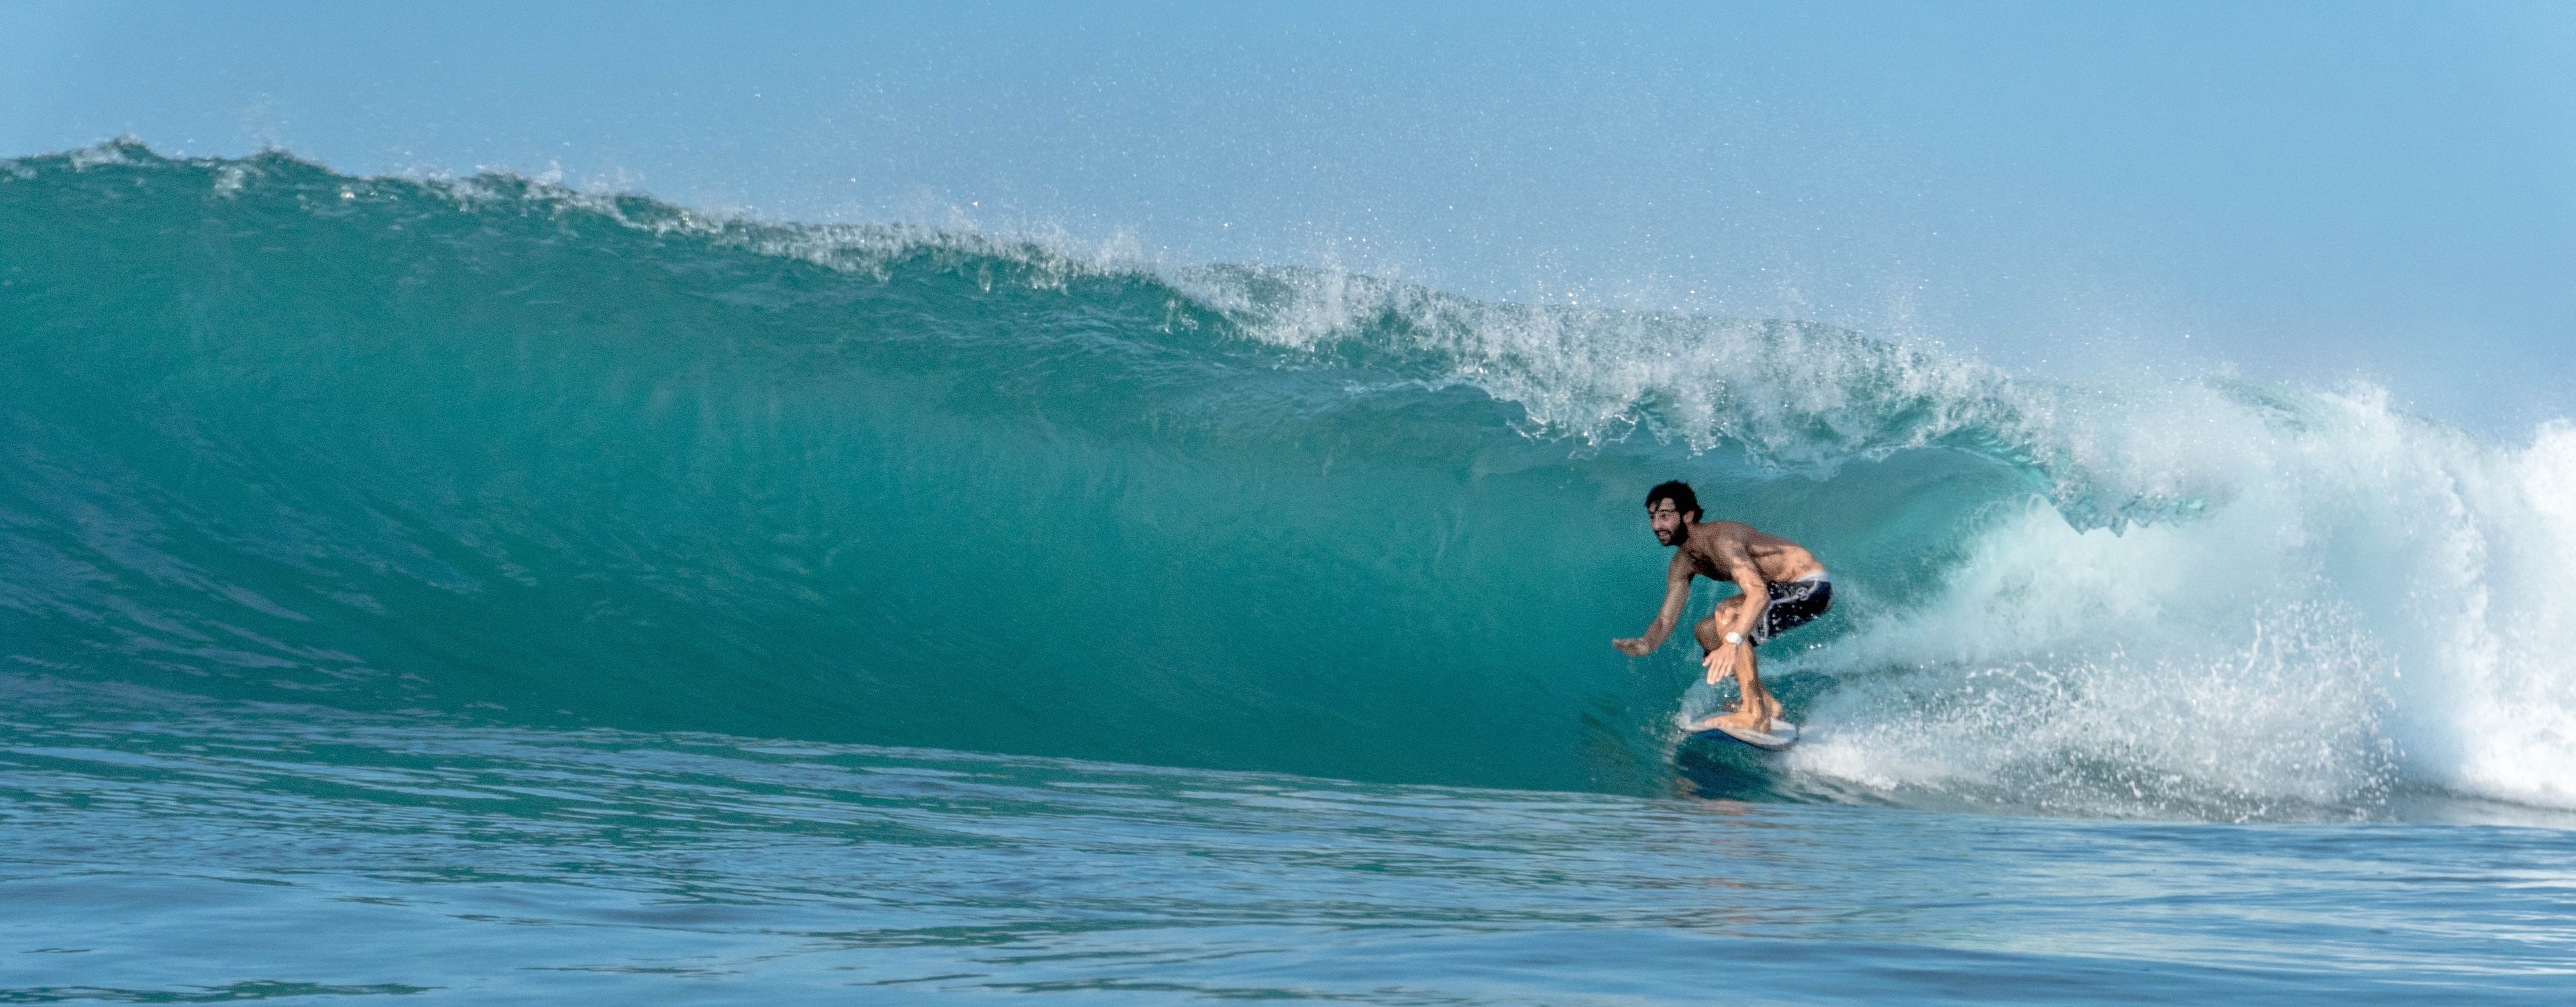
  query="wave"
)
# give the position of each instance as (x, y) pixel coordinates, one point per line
(489, 449)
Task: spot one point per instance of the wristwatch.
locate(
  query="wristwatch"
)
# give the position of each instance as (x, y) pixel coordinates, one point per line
(1734, 638)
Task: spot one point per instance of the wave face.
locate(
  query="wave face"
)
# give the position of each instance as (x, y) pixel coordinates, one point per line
(489, 450)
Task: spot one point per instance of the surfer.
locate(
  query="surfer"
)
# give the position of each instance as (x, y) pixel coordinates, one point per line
(1790, 585)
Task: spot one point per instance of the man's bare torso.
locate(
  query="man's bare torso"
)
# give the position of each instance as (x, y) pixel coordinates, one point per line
(1777, 558)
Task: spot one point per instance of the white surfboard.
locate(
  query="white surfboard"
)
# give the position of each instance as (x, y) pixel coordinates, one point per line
(1781, 735)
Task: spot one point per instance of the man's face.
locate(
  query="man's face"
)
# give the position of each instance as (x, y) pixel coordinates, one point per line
(1667, 520)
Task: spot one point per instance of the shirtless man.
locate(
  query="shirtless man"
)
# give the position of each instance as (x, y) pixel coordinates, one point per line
(1783, 586)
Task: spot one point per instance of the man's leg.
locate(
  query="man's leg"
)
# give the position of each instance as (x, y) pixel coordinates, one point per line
(1756, 709)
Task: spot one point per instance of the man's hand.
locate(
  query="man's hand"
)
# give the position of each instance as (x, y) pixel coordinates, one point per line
(1634, 646)
(1720, 663)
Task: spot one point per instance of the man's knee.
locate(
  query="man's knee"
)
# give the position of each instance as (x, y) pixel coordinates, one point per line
(1706, 632)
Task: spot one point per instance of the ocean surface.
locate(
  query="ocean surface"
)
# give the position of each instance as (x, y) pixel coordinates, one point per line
(480, 590)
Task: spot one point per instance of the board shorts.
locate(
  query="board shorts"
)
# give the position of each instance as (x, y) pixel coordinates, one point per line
(1791, 604)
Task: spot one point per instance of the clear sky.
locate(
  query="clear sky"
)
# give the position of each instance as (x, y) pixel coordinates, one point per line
(2312, 193)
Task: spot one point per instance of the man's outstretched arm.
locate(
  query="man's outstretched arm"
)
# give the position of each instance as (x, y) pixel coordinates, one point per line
(1676, 599)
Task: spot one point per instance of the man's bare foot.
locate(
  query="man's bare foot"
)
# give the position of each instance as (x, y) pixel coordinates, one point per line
(1736, 721)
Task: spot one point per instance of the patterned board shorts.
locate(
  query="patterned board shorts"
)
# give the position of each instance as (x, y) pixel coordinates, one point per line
(1794, 603)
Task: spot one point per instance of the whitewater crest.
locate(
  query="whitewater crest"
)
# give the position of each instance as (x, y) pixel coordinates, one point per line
(493, 448)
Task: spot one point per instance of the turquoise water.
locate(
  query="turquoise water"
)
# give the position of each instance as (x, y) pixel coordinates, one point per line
(478, 589)
(203, 856)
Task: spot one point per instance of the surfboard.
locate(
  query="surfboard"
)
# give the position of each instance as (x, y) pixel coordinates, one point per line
(1781, 735)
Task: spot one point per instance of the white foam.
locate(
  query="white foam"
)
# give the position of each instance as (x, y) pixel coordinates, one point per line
(2368, 601)
(1789, 393)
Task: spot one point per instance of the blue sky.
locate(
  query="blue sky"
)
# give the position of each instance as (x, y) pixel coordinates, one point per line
(2310, 193)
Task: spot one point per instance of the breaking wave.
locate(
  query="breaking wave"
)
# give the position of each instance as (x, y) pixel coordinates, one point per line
(492, 450)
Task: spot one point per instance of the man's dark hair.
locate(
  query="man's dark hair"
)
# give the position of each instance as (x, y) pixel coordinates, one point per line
(1678, 492)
